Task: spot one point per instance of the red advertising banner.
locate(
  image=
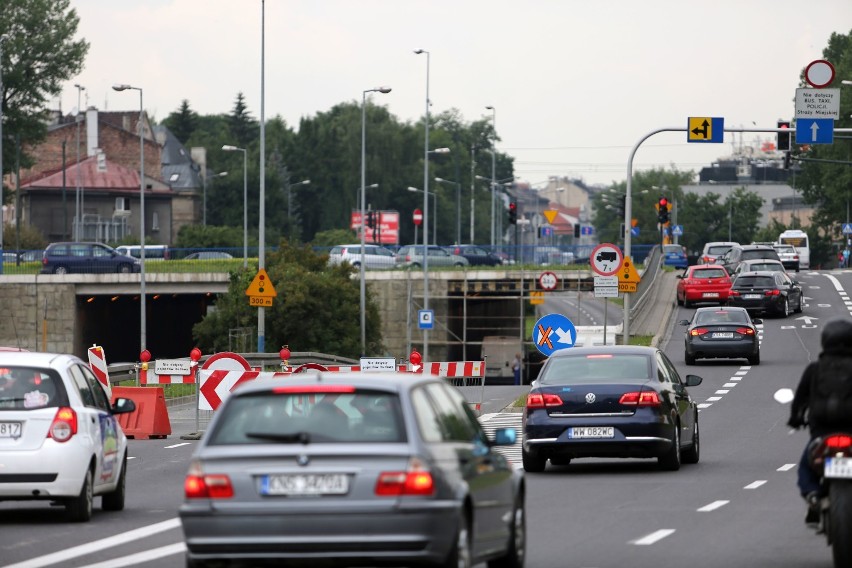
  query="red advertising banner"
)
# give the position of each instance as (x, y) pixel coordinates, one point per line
(385, 229)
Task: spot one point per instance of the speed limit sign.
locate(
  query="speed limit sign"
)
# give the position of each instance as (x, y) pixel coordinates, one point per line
(548, 281)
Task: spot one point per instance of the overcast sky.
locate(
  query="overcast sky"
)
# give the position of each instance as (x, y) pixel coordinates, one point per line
(575, 84)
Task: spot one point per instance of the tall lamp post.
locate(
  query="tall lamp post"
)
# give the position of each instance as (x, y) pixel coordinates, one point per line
(434, 223)
(458, 207)
(78, 196)
(2, 218)
(493, 171)
(363, 207)
(229, 148)
(142, 324)
(290, 187)
(425, 206)
(204, 194)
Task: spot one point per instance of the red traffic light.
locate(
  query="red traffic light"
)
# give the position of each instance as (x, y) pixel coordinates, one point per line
(664, 202)
(513, 206)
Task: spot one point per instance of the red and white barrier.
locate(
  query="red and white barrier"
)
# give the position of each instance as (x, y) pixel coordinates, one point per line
(97, 362)
(148, 378)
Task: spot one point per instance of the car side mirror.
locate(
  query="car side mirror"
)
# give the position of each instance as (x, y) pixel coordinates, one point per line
(123, 405)
(505, 437)
(681, 275)
(692, 380)
(683, 322)
(756, 321)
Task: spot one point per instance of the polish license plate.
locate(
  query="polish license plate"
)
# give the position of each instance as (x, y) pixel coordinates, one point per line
(710, 295)
(751, 296)
(591, 432)
(838, 468)
(723, 335)
(305, 484)
(10, 429)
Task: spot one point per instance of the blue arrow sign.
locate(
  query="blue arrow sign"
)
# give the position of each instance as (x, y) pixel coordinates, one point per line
(634, 231)
(847, 228)
(814, 131)
(554, 332)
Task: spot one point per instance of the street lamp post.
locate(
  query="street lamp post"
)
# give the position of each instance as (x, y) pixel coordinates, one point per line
(425, 206)
(493, 170)
(458, 207)
(434, 221)
(2, 218)
(204, 194)
(78, 196)
(142, 324)
(229, 148)
(362, 268)
(290, 187)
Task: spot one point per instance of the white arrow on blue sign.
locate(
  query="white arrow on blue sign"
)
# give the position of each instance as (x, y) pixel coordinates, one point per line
(634, 231)
(554, 332)
(814, 131)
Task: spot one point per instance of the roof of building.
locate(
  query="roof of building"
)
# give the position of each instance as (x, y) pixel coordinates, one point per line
(106, 175)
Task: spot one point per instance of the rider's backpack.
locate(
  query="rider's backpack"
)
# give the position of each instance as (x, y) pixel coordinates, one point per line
(831, 392)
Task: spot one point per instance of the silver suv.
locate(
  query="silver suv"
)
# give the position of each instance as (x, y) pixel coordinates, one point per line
(411, 256)
(375, 256)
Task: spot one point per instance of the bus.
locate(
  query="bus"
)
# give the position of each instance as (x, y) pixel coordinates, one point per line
(798, 239)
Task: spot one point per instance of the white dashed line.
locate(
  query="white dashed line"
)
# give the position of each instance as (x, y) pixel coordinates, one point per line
(655, 536)
(755, 484)
(722, 392)
(714, 398)
(786, 467)
(176, 445)
(713, 506)
(704, 405)
(729, 385)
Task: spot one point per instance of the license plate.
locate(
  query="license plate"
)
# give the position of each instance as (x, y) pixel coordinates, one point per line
(838, 468)
(10, 429)
(710, 295)
(751, 296)
(591, 432)
(305, 484)
(723, 335)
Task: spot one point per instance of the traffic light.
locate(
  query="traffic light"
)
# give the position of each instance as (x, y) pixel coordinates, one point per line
(513, 213)
(663, 211)
(622, 205)
(577, 230)
(371, 220)
(784, 137)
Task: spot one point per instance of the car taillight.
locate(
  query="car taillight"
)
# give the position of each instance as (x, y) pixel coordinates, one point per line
(537, 400)
(197, 485)
(837, 442)
(745, 331)
(698, 331)
(772, 292)
(64, 425)
(733, 292)
(642, 398)
(416, 480)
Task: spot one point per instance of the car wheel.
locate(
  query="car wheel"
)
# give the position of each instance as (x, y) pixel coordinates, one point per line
(114, 501)
(514, 557)
(79, 509)
(785, 308)
(124, 269)
(686, 303)
(799, 306)
(415, 265)
(458, 264)
(670, 461)
(533, 463)
(60, 270)
(679, 301)
(688, 359)
(460, 553)
(356, 265)
(693, 453)
(754, 359)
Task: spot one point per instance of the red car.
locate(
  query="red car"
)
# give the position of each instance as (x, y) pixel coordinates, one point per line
(703, 283)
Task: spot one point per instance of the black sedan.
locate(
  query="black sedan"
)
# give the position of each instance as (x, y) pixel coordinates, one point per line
(610, 402)
(352, 468)
(476, 255)
(766, 292)
(725, 332)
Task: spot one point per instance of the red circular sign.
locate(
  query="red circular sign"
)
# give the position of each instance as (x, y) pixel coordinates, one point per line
(819, 73)
(418, 216)
(606, 259)
(548, 280)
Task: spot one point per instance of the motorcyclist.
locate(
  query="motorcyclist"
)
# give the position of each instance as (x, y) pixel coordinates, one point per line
(835, 359)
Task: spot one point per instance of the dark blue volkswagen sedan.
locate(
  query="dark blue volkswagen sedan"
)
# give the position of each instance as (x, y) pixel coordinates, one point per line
(610, 402)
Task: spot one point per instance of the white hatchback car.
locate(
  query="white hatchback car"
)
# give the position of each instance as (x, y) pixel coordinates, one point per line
(375, 256)
(59, 438)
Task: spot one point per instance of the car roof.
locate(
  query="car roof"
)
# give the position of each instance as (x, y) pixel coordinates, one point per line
(721, 308)
(386, 381)
(756, 247)
(760, 273)
(605, 350)
(695, 267)
(34, 358)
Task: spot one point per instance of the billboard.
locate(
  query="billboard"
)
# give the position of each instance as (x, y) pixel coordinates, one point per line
(385, 229)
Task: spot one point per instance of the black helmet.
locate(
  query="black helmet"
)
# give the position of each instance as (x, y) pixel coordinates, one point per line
(837, 334)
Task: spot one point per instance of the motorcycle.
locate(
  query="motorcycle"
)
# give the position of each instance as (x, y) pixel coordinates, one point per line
(832, 456)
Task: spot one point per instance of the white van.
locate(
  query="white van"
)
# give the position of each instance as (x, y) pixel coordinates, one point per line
(152, 252)
(798, 239)
(498, 352)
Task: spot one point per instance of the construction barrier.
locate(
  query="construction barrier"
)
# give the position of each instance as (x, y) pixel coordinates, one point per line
(97, 362)
(151, 417)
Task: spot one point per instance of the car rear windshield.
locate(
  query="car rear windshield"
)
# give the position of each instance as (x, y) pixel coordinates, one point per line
(603, 368)
(751, 254)
(719, 250)
(755, 282)
(709, 273)
(30, 388)
(720, 316)
(290, 415)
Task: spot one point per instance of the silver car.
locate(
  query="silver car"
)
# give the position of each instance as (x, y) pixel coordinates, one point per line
(353, 468)
(411, 256)
(375, 256)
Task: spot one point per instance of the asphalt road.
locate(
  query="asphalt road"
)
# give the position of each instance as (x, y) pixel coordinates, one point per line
(737, 507)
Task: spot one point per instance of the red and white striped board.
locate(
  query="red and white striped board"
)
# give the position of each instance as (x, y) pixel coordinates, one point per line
(97, 361)
(216, 385)
(146, 378)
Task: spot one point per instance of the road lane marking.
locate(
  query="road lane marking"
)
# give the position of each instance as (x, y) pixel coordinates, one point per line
(722, 391)
(704, 405)
(653, 537)
(735, 379)
(141, 557)
(729, 385)
(714, 399)
(755, 484)
(713, 506)
(176, 445)
(786, 467)
(96, 546)
(741, 373)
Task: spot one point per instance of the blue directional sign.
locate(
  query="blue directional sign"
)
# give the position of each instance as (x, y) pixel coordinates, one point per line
(814, 131)
(426, 319)
(847, 228)
(705, 129)
(677, 230)
(587, 230)
(552, 333)
(634, 231)
(545, 231)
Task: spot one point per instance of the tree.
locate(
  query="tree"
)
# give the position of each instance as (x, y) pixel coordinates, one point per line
(244, 129)
(317, 307)
(183, 122)
(39, 53)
